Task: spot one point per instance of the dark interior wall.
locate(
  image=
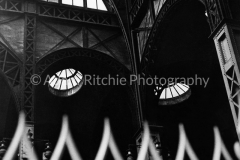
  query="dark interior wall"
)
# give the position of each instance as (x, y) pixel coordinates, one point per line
(8, 110)
(86, 109)
(184, 50)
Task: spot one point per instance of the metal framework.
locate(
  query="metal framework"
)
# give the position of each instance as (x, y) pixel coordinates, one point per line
(224, 32)
(29, 66)
(11, 5)
(48, 60)
(107, 19)
(147, 57)
(121, 70)
(61, 12)
(10, 65)
(137, 5)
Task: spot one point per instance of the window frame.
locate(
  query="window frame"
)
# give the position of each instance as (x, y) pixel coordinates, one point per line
(75, 6)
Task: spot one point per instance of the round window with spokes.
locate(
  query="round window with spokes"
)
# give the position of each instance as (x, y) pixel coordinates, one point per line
(172, 93)
(66, 82)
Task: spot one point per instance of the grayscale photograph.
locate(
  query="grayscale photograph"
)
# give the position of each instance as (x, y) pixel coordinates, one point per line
(119, 79)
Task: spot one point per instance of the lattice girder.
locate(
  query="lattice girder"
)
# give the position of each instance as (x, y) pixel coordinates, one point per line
(230, 69)
(10, 65)
(29, 66)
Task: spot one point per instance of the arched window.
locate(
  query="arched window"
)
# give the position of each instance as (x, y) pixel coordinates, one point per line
(66, 82)
(173, 93)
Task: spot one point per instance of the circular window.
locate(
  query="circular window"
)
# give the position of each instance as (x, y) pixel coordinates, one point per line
(66, 82)
(172, 93)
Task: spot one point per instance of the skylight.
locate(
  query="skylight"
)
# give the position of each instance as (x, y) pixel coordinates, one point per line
(66, 82)
(93, 4)
(172, 94)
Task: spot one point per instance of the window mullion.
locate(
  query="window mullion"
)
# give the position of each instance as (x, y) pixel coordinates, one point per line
(85, 3)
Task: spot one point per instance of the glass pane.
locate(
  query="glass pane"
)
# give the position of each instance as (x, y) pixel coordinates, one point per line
(72, 70)
(92, 4)
(101, 5)
(63, 74)
(180, 91)
(74, 82)
(163, 95)
(168, 93)
(79, 76)
(185, 85)
(77, 79)
(78, 3)
(67, 2)
(182, 87)
(64, 85)
(174, 92)
(53, 82)
(58, 73)
(52, 78)
(69, 84)
(58, 84)
(55, 1)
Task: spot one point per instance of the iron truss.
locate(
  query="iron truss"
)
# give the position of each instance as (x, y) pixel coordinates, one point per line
(148, 55)
(10, 65)
(48, 60)
(135, 9)
(11, 5)
(60, 12)
(29, 66)
(214, 13)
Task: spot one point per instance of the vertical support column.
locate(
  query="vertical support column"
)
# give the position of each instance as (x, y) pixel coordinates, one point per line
(27, 73)
(228, 57)
(226, 34)
(29, 67)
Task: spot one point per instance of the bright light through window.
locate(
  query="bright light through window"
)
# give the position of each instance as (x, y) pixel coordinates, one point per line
(93, 4)
(96, 4)
(66, 82)
(73, 2)
(172, 91)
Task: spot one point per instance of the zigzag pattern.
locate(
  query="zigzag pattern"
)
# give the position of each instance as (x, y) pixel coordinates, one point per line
(65, 138)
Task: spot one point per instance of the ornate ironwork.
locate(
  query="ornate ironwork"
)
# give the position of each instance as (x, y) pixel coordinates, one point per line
(230, 71)
(46, 61)
(10, 65)
(63, 12)
(147, 55)
(29, 66)
(108, 19)
(213, 13)
(11, 5)
(135, 9)
(132, 60)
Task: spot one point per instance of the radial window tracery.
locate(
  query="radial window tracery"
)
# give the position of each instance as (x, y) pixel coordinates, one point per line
(66, 82)
(172, 94)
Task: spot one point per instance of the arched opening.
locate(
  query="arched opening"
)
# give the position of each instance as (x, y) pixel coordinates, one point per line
(183, 50)
(86, 109)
